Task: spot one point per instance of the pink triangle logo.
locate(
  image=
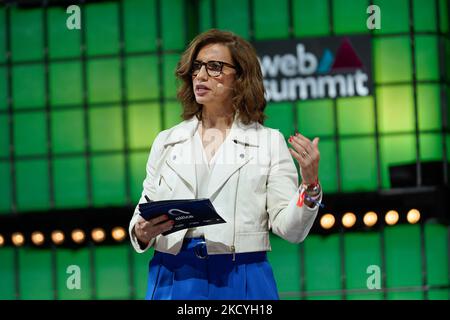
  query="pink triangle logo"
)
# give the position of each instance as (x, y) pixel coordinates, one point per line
(346, 57)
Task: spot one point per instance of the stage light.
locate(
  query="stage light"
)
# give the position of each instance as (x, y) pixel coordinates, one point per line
(118, 233)
(98, 235)
(413, 216)
(327, 221)
(37, 237)
(57, 237)
(78, 236)
(348, 220)
(18, 239)
(370, 218)
(391, 217)
(2, 241)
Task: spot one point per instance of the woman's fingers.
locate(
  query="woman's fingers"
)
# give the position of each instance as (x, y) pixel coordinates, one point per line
(306, 152)
(311, 148)
(315, 142)
(304, 148)
(301, 148)
(159, 219)
(156, 230)
(295, 155)
(305, 142)
(163, 227)
(315, 145)
(147, 230)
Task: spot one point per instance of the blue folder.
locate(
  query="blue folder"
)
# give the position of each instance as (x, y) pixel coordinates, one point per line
(186, 213)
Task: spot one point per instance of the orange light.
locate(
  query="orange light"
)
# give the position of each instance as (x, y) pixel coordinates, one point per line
(78, 236)
(327, 221)
(370, 218)
(98, 235)
(57, 237)
(413, 216)
(391, 217)
(2, 241)
(37, 237)
(18, 239)
(349, 220)
(118, 233)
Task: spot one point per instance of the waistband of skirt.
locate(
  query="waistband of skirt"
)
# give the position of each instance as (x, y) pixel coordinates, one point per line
(196, 248)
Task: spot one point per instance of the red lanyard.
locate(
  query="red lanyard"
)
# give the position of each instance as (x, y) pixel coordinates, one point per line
(301, 196)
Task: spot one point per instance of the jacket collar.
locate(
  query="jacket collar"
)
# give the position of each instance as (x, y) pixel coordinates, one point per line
(182, 132)
(240, 132)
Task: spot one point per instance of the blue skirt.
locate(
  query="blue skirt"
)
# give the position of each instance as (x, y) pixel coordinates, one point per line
(194, 275)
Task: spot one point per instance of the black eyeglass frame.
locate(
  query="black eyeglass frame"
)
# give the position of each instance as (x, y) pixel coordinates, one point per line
(201, 63)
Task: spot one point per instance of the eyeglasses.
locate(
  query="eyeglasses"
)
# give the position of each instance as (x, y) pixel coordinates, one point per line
(213, 68)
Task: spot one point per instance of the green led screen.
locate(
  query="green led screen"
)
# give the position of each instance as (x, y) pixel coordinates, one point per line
(78, 105)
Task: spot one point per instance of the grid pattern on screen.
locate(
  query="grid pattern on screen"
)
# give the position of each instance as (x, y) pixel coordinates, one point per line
(77, 105)
(105, 91)
(406, 119)
(74, 149)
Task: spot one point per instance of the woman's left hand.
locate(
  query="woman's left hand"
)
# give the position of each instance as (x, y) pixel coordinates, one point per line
(307, 155)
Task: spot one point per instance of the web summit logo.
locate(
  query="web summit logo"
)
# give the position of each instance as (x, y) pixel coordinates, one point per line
(316, 68)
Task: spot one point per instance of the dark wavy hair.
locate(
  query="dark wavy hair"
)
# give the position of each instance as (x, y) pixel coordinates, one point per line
(248, 94)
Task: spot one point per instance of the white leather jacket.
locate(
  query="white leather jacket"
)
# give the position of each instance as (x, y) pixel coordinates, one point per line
(253, 186)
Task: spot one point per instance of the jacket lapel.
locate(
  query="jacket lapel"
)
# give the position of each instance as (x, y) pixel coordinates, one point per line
(233, 155)
(181, 160)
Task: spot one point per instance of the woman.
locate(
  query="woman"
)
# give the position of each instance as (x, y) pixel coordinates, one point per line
(222, 151)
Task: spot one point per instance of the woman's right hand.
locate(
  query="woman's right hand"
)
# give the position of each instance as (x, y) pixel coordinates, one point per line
(147, 230)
